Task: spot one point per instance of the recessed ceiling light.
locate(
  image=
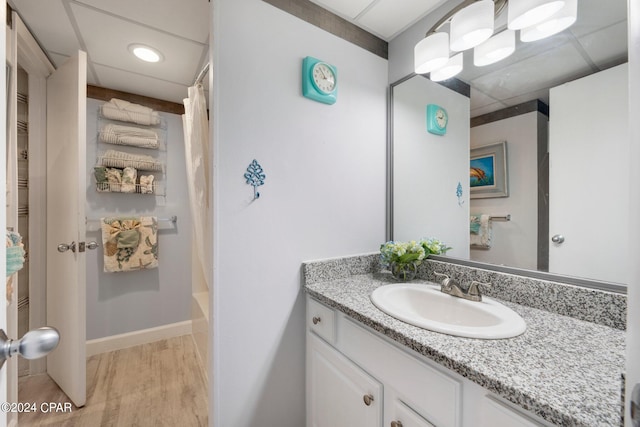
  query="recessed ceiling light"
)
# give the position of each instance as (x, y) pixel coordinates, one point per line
(145, 53)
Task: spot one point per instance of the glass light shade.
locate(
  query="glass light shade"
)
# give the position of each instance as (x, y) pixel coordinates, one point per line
(431, 52)
(495, 49)
(560, 21)
(145, 53)
(525, 13)
(450, 69)
(472, 25)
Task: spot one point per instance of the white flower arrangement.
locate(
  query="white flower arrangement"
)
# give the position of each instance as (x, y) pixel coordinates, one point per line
(413, 252)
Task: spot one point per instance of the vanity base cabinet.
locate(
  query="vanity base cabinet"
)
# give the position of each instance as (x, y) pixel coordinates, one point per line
(339, 392)
(407, 389)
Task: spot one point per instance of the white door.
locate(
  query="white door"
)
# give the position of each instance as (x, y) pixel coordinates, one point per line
(633, 302)
(66, 188)
(3, 202)
(588, 135)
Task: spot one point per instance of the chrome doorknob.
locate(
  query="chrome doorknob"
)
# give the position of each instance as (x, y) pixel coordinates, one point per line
(558, 238)
(368, 399)
(63, 247)
(92, 245)
(33, 345)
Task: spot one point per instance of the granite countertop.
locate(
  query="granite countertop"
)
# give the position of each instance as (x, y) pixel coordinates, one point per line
(565, 370)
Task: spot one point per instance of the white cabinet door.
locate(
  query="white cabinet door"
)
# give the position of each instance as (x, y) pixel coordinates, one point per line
(339, 392)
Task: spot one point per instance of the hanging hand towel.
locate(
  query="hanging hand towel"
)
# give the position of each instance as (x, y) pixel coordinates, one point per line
(15, 253)
(130, 243)
(480, 230)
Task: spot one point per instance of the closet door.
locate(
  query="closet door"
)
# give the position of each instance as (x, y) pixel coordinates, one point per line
(66, 188)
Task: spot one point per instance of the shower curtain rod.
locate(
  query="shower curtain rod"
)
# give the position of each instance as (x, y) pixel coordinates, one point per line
(173, 219)
(202, 74)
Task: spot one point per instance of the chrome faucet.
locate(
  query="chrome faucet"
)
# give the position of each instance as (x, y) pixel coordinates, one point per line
(450, 287)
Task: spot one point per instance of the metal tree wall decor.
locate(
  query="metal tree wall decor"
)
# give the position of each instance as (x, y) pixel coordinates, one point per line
(255, 177)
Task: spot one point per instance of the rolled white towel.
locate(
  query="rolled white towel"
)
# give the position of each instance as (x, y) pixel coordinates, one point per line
(118, 109)
(129, 135)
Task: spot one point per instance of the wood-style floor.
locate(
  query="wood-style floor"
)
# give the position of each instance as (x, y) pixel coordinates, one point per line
(157, 384)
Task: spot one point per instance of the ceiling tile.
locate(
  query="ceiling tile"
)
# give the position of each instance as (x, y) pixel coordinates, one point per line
(534, 73)
(607, 47)
(140, 85)
(39, 16)
(596, 14)
(389, 17)
(479, 99)
(107, 39)
(185, 18)
(346, 8)
(541, 94)
(487, 108)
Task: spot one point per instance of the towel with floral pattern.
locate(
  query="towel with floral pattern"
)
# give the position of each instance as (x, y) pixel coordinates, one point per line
(130, 243)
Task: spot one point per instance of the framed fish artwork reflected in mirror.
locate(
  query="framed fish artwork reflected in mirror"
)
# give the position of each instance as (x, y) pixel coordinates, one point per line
(488, 171)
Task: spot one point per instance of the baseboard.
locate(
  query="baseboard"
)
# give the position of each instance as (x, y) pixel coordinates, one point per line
(144, 336)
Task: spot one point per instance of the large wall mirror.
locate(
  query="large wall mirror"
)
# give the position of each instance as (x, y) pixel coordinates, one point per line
(560, 104)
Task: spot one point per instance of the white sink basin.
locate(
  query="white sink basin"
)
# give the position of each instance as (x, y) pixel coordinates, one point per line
(426, 307)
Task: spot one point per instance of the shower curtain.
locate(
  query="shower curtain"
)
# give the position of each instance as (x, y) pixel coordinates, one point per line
(196, 138)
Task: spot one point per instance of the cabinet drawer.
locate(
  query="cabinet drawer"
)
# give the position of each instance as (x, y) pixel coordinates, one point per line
(321, 320)
(430, 392)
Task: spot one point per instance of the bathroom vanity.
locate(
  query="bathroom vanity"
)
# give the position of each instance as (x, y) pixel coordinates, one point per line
(365, 368)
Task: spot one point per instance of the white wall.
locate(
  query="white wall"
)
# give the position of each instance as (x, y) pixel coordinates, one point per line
(324, 196)
(125, 302)
(515, 242)
(427, 168)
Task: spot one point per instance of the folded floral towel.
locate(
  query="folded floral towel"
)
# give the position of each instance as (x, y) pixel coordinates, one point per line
(480, 230)
(129, 176)
(125, 111)
(130, 243)
(146, 184)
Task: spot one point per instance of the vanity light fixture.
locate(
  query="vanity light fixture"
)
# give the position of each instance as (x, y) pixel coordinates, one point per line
(145, 53)
(561, 20)
(450, 69)
(472, 26)
(495, 49)
(525, 13)
(431, 53)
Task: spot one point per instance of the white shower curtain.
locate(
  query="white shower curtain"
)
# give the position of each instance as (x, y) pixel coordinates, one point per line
(196, 138)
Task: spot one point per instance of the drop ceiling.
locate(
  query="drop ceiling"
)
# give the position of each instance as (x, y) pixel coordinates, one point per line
(180, 30)
(598, 40)
(105, 29)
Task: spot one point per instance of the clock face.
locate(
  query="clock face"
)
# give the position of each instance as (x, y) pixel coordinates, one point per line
(441, 118)
(437, 119)
(323, 77)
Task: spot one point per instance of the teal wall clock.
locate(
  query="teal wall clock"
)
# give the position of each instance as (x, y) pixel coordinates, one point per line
(437, 119)
(319, 80)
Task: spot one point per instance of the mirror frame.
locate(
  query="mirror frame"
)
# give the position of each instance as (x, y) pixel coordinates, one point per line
(534, 274)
